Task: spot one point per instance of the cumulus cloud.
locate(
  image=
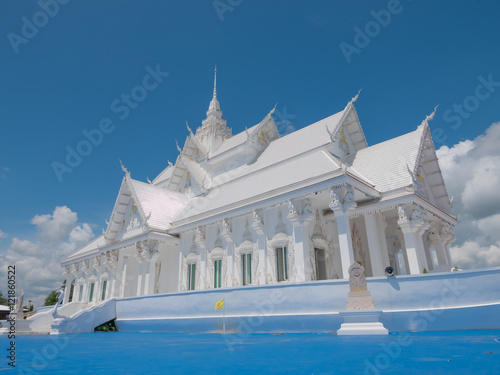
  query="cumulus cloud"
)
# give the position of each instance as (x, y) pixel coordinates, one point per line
(2, 234)
(471, 170)
(38, 269)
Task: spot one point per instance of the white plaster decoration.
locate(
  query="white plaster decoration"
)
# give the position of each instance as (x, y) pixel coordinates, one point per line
(226, 229)
(247, 247)
(280, 227)
(257, 222)
(157, 275)
(200, 237)
(279, 240)
(349, 195)
(435, 239)
(319, 241)
(307, 210)
(335, 202)
(74, 269)
(357, 245)
(247, 236)
(96, 263)
(448, 237)
(292, 210)
(215, 254)
(359, 296)
(86, 266)
(190, 259)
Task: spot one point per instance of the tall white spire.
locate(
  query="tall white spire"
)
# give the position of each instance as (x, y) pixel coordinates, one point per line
(213, 131)
(214, 107)
(215, 82)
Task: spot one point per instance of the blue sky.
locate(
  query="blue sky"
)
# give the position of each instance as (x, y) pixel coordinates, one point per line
(63, 80)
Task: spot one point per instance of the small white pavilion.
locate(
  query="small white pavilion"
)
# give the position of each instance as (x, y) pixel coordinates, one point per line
(255, 208)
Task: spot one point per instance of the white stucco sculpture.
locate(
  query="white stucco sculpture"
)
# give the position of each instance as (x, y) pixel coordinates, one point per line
(359, 296)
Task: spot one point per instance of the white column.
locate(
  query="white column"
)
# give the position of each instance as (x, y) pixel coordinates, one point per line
(412, 229)
(372, 233)
(262, 265)
(381, 225)
(343, 202)
(85, 289)
(150, 275)
(67, 289)
(436, 240)
(124, 276)
(258, 226)
(421, 248)
(345, 242)
(203, 265)
(414, 263)
(301, 246)
(226, 233)
(111, 269)
(140, 277)
(110, 293)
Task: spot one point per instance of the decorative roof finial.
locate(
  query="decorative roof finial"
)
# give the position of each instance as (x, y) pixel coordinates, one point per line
(189, 129)
(356, 97)
(127, 173)
(215, 82)
(429, 117)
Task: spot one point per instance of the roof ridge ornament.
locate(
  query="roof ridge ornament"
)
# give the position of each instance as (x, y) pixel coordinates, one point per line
(429, 117)
(189, 129)
(347, 111)
(125, 170)
(353, 100)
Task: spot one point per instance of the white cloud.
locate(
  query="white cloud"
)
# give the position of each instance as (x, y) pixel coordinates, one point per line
(38, 269)
(55, 227)
(2, 234)
(471, 170)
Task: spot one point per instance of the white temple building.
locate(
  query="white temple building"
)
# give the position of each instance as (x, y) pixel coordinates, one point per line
(255, 208)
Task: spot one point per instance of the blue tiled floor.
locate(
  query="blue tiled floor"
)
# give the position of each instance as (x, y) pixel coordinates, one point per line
(464, 352)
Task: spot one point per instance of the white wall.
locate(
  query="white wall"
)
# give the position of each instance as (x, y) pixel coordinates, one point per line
(416, 302)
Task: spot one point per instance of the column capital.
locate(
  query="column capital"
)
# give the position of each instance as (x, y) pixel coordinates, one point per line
(304, 218)
(111, 259)
(146, 250)
(96, 263)
(342, 200)
(416, 222)
(85, 266)
(199, 237)
(66, 271)
(74, 269)
(226, 230)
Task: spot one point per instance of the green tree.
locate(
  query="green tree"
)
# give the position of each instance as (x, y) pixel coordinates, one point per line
(51, 299)
(3, 300)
